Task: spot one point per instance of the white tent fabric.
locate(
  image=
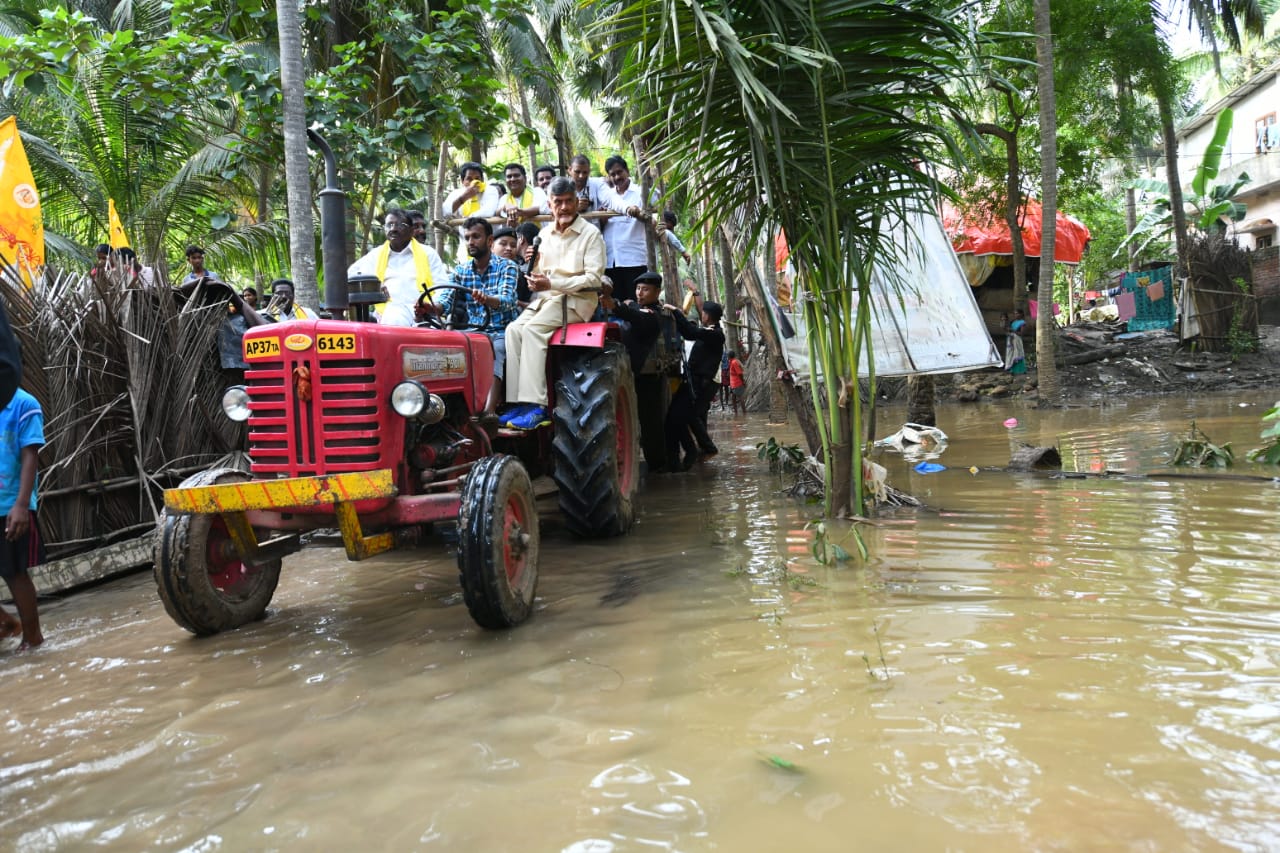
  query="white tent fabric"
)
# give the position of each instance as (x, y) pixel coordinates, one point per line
(928, 324)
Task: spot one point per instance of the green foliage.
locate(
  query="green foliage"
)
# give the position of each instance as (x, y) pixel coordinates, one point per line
(171, 107)
(825, 109)
(1197, 451)
(826, 551)
(1269, 453)
(781, 457)
(1209, 204)
(1239, 339)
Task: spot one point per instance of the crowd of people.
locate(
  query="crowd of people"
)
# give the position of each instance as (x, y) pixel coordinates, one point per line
(518, 283)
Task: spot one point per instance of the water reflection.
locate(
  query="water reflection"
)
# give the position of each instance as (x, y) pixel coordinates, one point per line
(1030, 662)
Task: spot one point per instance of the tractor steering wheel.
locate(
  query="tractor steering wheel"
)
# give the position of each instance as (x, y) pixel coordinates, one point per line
(435, 321)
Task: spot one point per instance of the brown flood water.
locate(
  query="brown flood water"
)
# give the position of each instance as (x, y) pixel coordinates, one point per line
(1054, 664)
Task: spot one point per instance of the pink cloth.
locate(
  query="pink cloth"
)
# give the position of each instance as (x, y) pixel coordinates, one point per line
(1033, 308)
(1125, 306)
(1156, 291)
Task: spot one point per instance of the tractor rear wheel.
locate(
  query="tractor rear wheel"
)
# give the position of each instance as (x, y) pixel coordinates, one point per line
(202, 582)
(498, 540)
(596, 446)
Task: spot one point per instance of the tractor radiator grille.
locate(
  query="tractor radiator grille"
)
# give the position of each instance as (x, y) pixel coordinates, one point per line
(314, 416)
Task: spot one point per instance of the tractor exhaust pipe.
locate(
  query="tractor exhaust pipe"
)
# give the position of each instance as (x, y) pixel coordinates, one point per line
(333, 239)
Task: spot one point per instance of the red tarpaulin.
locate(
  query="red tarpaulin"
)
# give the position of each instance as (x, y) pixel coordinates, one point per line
(992, 236)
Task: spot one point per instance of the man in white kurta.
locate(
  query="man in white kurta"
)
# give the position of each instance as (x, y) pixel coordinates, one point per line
(404, 266)
(568, 274)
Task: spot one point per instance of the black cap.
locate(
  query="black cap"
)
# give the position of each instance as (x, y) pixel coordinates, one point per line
(504, 231)
(713, 310)
(649, 278)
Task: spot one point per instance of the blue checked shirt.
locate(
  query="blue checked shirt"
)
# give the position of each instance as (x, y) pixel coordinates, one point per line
(498, 280)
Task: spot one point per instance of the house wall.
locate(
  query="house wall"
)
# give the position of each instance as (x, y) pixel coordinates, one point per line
(1266, 284)
(1243, 155)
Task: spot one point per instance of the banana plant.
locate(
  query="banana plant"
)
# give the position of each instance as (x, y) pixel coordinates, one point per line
(1210, 206)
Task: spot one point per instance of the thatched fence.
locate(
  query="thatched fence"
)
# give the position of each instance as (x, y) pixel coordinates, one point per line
(1222, 305)
(130, 385)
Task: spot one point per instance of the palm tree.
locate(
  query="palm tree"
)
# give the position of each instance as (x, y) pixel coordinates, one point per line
(165, 169)
(824, 110)
(1046, 369)
(297, 168)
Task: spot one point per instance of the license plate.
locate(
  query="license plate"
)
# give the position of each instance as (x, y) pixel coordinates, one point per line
(261, 348)
(336, 343)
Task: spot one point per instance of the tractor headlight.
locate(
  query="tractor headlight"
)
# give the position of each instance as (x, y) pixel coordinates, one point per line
(235, 403)
(408, 399)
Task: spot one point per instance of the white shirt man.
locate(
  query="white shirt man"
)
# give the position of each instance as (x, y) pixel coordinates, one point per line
(624, 236)
(403, 265)
(521, 200)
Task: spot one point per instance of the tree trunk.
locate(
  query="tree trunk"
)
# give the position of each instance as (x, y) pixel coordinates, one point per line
(1131, 225)
(564, 149)
(920, 400)
(1013, 200)
(297, 170)
(733, 333)
(798, 397)
(437, 201)
(266, 174)
(1046, 369)
(1174, 179)
(528, 122)
(777, 393)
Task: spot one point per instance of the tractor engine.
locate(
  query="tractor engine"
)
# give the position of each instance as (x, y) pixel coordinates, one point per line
(330, 397)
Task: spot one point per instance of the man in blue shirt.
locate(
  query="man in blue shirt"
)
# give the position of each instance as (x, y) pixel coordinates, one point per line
(492, 284)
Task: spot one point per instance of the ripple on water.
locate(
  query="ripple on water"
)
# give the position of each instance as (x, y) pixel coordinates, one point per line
(1092, 661)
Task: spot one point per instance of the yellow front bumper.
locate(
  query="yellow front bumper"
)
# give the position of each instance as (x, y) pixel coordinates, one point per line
(341, 491)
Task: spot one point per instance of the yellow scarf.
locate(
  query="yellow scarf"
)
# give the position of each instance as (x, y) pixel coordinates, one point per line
(471, 205)
(421, 262)
(526, 199)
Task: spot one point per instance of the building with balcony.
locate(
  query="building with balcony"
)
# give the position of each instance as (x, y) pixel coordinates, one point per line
(1253, 148)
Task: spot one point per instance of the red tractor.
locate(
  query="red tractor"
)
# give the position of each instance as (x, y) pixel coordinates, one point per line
(373, 430)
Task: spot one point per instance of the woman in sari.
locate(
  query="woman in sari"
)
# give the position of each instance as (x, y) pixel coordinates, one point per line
(1015, 356)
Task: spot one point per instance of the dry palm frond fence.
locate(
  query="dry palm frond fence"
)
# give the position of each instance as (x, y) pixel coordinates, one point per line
(1224, 305)
(130, 385)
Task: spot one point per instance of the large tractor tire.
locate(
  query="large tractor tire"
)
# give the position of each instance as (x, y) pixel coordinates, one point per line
(498, 540)
(596, 447)
(203, 584)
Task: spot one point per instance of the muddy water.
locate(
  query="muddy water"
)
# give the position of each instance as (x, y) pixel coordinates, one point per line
(1031, 664)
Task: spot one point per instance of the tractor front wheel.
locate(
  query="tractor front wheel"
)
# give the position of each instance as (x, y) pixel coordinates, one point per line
(202, 582)
(498, 540)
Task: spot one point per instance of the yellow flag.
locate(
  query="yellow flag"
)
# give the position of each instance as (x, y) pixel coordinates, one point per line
(21, 229)
(118, 240)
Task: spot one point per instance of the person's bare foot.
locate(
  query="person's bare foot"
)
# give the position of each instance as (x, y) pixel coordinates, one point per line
(9, 626)
(28, 645)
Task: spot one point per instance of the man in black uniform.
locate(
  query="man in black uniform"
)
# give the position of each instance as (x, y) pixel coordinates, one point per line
(700, 372)
(645, 317)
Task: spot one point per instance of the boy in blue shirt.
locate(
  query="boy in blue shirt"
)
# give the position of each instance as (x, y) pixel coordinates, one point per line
(21, 437)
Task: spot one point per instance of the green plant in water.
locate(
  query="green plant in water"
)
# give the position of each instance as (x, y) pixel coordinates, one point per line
(781, 457)
(883, 675)
(1239, 339)
(1269, 452)
(826, 552)
(1197, 451)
